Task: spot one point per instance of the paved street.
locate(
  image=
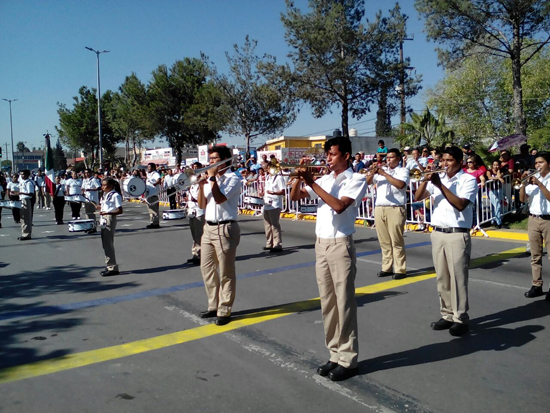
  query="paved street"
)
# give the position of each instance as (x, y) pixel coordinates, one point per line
(71, 340)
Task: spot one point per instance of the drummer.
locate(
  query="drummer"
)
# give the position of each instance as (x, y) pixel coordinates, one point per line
(111, 206)
(13, 195)
(153, 188)
(73, 186)
(91, 186)
(26, 192)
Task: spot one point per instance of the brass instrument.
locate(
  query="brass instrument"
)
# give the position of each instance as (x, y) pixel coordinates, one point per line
(277, 168)
(519, 182)
(416, 174)
(190, 176)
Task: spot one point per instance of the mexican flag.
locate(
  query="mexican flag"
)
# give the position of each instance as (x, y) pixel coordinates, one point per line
(50, 173)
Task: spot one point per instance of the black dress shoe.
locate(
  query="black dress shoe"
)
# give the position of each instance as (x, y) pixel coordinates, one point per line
(24, 238)
(275, 250)
(152, 226)
(194, 261)
(325, 369)
(208, 314)
(547, 298)
(341, 373)
(109, 273)
(266, 248)
(441, 324)
(459, 329)
(534, 292)
(384, 274)
(398, 276)
(221, 321)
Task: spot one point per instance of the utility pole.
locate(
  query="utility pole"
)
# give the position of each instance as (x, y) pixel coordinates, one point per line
(402, 81)
(11, 129)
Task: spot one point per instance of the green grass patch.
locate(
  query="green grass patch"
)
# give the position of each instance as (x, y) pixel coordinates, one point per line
(519, 224)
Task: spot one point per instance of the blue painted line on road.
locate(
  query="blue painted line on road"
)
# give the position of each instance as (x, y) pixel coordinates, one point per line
(64, 308)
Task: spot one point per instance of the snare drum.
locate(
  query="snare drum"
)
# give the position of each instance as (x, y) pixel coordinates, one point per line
(174, 214)
(77, 199)
(10, 204)
(253, 201)
(134, 187)
(307, 209)
(80, 225)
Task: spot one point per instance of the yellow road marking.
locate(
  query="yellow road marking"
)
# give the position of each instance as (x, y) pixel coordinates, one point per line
(72, 361)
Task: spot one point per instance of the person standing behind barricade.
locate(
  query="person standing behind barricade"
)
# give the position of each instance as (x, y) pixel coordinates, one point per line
(196, 219)
(340, 194)
(496, 180)
(390, 214)
(171, 191)
(59, 200)
(13, 195)
(111, 206)
(26, 192)
(91, 186)
(152, 195)
(453, 196)
(219, 197)
(536, 191)
(273, 202)
(358, 163)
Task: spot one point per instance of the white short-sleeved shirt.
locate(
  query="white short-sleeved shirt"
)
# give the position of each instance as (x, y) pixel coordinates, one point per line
(230, 186)
(538, 204)
(91, 183)
(111, 201)
(73, 186)
(152, 179)
(275, 184)
(13, 186)
(28, 187)
(168, 181)
(192, 198)
(348, 184)
(387, 194)
(59, 190)
(40, 181)
(462, 185)
(411, 164)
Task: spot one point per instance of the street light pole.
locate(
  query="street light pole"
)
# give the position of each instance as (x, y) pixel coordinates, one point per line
(97, 52)
(11, 129)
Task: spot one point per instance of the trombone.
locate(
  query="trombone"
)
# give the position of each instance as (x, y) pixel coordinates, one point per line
(519, 182)
(416, 174)
(276, 168)
(190, 176)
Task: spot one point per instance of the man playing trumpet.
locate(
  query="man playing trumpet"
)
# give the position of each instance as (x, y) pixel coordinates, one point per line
(390, 213)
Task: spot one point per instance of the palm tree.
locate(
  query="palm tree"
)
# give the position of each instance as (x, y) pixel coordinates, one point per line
(425, 129)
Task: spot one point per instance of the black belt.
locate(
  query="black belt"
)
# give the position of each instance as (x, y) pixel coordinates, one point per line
(546, 217)
(212, 223)
(451, 230)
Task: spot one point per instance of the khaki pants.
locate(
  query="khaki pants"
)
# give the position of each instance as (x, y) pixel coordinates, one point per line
(390, 224)
(26, 218)
(538, 230)
(90, 210)
(40, 197)
(335, 269)
(451, 256)
(197, 227)
(108, 241)
(48, 197)
(218, 250)
(272, 228)
(153, 209)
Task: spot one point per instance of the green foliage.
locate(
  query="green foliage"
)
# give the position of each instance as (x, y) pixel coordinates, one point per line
(512, 29)
(21, 147)
(59, 159)
(425, 129)
(258, 94)
(183, 105)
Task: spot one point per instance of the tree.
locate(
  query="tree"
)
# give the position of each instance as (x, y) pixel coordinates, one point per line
(257, 94)
(21, 147)
(78, 127)
(425, 129)
(130, 117)
(513, 29)
(59, 159)
(184, 105)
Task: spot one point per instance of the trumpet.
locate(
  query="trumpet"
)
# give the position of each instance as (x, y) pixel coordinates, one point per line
(277, 168)
(416, 174)
(519, 182)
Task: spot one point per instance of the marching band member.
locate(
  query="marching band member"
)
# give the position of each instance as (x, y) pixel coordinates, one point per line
(536, 190)
(73, 186)
(340, 193)
(273, 203)
(59, 200)
(111, 206)
(153, 188)
(219, 197)
(91, 186)
(26, 192)
(390, 214)
(453, 197)
(196, 219)
(168, 184)
(13, 195)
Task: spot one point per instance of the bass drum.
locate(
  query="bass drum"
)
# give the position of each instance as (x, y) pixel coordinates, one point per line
(81, 225)
(181, 181)
(134, 187)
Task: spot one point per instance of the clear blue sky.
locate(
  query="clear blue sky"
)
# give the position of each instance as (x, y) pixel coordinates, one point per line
(43, 59)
